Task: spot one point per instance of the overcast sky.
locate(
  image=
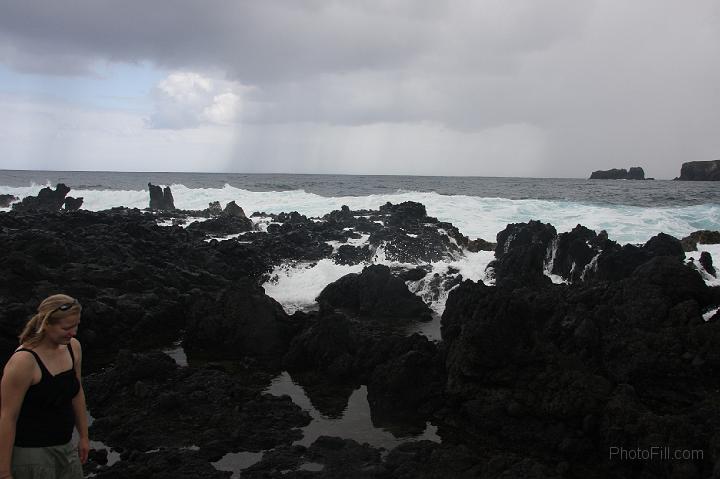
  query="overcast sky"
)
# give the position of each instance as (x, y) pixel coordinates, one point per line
(548, 88)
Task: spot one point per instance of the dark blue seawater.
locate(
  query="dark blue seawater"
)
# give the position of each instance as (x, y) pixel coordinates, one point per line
(655, 193)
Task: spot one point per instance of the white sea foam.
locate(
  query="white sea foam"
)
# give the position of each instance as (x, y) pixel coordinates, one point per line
(296, 286)
(476, 217)
(550, 261)
(714, 250)
(350, 241)
(471, 266)
(710, 314)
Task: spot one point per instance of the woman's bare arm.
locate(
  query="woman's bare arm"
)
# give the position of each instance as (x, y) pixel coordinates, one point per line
(17, 378)
(79, 406)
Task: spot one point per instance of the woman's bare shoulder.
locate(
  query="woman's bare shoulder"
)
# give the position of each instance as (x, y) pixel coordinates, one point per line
(20, 361)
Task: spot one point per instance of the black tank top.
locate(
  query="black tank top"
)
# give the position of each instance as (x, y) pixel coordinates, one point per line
(46, 417)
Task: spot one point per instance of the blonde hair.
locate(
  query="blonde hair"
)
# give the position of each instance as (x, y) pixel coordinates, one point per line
(48, 312)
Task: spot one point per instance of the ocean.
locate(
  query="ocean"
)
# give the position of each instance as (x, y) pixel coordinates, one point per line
(630, 211)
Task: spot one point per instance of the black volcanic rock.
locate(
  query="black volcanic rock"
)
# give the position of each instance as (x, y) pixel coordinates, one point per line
(414, 274)
(664, 245)
(73, 204)
(6, 200)
(214, 208)
(410, 236)
(690, 242)
(347, 254)
(293, 218)
(530, 379)
(344, 216)
(232, 209)
(334, 458)
(329, 343)
(480, 244)
(404, 374)
(409, 382)
(574, 252)
(161, 464)
(425, 459)
(242, 321)
(561, 373)
(417, 245)
(374, 292)
(616, 262)
(296, 240)
(403, 233)
(522, 252)
(635, 173)
(136, 280)
(407, 211)
(700, 171)
(707, 262)
(222, 225)
(161, 198)
(46, 200)
(145, 401)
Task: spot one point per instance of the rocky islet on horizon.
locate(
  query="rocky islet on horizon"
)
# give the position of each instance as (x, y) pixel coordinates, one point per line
(530, 377)
(634, 173)
(700, 171)
(690, 171)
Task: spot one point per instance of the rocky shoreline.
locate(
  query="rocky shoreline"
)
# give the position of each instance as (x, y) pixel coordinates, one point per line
(531, 378)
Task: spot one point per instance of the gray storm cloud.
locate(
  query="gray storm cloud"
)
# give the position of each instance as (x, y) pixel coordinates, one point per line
(554, 88)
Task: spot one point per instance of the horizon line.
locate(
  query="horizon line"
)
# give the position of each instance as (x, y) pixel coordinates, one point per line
(322, 174)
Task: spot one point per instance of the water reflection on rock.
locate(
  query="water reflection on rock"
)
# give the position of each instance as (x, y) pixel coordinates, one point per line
(348, 417)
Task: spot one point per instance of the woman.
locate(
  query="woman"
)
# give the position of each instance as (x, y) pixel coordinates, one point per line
(41, 397)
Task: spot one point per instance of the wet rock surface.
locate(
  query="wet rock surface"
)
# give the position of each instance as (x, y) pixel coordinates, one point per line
(568, 372)
(223, 224)
(375, 292)
(530, 379)
(690, 242)
(6, 200)
(327, 457)
(707, 263)
(241, 321)
(161, 198)
(162, 464)
(49, 199)
(521, 253)
(146, 401)
(136, 280)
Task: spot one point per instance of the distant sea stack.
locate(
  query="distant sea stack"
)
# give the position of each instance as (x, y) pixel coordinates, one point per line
(161, 199)
(635, 173)
(700, 171)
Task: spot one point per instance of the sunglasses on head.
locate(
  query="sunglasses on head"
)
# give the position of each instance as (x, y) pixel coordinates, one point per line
(66, 306)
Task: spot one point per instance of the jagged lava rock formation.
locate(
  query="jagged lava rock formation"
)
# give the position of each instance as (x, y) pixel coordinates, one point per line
(49, 200)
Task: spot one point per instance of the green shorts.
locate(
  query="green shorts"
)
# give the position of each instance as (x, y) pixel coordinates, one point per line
(53, 462)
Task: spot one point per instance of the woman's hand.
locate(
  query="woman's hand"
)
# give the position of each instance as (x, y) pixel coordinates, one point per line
(83, 449)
